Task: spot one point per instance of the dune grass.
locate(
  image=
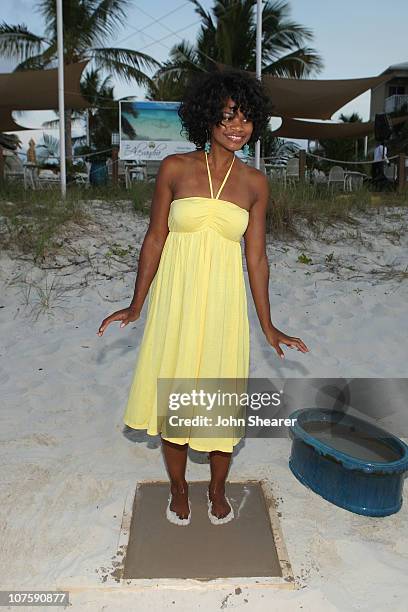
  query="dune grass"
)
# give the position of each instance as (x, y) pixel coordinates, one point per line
(36, 223)
(313, 206)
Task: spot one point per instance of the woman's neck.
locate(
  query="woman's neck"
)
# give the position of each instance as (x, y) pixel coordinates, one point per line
(220, 157)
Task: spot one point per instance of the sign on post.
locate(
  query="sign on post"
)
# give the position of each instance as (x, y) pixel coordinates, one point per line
(150, 130)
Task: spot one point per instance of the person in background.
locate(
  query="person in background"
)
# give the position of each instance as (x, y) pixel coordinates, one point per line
(31, 153)
(380, 156)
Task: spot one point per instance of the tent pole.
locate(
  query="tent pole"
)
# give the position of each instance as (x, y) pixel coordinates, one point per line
(258, 69)
(61, 108)
(88, 142)
(2, 164)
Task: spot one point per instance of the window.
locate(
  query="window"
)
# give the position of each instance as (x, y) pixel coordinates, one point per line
(396, 90)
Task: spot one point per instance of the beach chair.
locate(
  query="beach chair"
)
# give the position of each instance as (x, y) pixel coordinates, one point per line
(354, 180)
(47, 179)
(30, 176)
(318, 177)
(134, 171)
(337, 178)
(275, 173)
(122, 172)
(292, 172)
(250, 161)
(390, 171)
(81, 178)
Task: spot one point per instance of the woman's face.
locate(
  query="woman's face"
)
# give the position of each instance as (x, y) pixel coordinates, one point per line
(234, 130)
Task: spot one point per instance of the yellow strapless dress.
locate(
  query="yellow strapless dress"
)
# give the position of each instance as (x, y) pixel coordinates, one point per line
(197, 321)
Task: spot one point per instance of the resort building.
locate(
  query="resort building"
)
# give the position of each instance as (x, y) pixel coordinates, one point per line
(391, 95)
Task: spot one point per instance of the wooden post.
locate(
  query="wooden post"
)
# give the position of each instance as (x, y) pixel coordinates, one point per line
(1, 165)
(302, 164)
(401, 171)
(115, 169)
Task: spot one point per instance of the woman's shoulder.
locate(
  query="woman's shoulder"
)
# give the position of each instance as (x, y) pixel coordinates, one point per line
(252, 175)
(256, 180)
(178, 160)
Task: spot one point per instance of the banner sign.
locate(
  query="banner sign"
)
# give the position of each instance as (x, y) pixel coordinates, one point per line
(150, 130)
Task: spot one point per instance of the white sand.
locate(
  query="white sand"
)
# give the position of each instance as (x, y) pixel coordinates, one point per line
(66, 466)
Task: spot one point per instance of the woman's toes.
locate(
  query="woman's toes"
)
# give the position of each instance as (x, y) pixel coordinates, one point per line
(220, 507)
(179, 502)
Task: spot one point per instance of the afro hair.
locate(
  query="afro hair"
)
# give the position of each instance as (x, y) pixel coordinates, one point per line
(204, 99)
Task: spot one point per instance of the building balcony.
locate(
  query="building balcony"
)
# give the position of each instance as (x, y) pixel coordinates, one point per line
(395, 103)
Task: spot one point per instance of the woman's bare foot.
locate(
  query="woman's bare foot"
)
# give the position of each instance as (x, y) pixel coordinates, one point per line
(179, 501)
(220, 506)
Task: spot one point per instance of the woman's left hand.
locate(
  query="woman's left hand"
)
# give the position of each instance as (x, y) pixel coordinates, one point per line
(274, 336)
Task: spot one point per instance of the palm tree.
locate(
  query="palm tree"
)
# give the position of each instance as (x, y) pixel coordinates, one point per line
(87, 25)
(343, 149)
(10, 142)
(228, 36)
(273, 146)
(165, 87)
(103, 116)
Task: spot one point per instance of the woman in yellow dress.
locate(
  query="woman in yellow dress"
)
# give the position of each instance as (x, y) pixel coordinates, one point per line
(190, 267)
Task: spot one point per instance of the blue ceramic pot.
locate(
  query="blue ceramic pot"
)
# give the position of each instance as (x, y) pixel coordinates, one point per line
(348, 461)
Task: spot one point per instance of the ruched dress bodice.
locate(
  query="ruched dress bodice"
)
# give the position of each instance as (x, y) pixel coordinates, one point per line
(198, 214)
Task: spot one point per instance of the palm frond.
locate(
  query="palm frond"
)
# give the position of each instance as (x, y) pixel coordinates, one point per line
(50, 144)
(17, 41)
(205, 17)
(95, 89)
(124, 63)
(353, 118)
(52, 124)
(298, 64)
(75, 14)
(105, 19)
(183, 57)
(10, 142)
(39, 62)
(234, 49)
(228, 36)
(288, 35)
(167, 87)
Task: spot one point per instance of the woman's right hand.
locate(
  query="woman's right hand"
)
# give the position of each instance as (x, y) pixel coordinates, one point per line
(125, 316)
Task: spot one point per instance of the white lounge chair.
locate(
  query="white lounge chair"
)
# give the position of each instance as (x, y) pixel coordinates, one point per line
(337, 177)
(47, 179)
(250, 161)
(354, 180)
(292, 170)
(134, 171)
(318, 177)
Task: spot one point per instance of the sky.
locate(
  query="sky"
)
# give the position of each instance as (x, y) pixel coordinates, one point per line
(356, 38)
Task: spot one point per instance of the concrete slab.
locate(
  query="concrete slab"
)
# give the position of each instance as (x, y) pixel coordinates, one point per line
(249, 549)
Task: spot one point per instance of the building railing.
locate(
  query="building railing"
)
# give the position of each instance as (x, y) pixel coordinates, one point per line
(394, 103)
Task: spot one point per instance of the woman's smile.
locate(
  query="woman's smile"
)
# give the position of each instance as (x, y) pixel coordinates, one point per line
(235, 138)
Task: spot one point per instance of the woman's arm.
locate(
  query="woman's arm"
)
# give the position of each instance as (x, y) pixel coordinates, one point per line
(152, 246)
(258, 269)
(255, 253)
